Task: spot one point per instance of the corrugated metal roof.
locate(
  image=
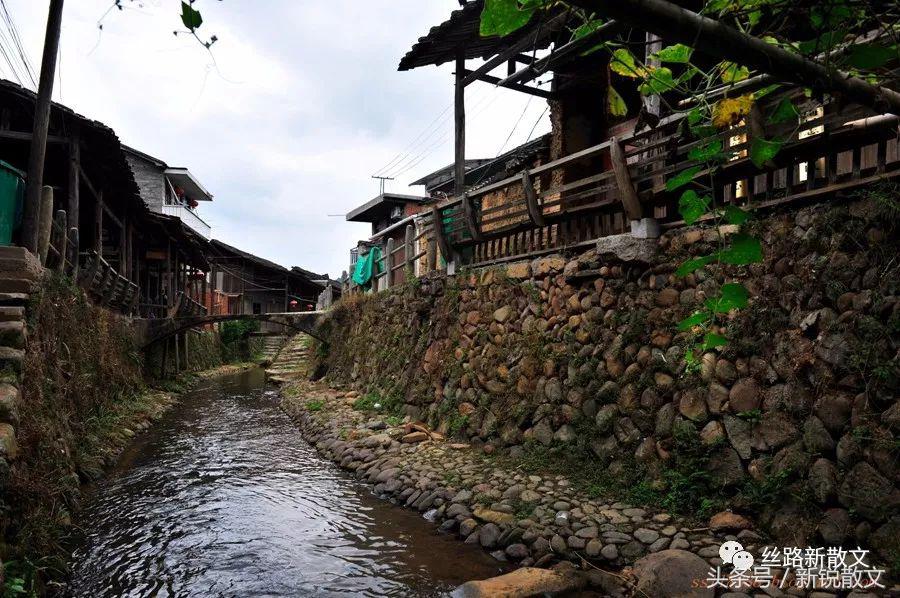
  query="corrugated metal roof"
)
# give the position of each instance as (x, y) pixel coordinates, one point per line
(461, 30)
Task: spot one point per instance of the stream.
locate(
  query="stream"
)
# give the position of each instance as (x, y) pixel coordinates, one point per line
(222, 497)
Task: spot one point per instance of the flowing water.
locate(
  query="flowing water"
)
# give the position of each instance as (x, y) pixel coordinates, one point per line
(222, 497)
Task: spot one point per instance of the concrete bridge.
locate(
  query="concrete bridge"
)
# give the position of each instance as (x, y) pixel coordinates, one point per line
(151, 330)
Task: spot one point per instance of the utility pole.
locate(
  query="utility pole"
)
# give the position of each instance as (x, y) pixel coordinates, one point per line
(41, 125)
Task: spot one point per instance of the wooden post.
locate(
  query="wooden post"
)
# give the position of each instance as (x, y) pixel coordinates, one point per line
(98, 224)
(388, 263)
(38, 149)
(165, 357)
(73, 252)
(468, 205)
(187, 362)
(61, 244)
(440, 237)
(627, 194)
(409, 250)
(74, 178)
(45, 223)
(177, 355)
(459, 117)
(123, 249)
(535, 212)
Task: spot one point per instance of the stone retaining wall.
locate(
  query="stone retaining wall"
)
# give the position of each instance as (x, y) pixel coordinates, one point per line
(794, 422)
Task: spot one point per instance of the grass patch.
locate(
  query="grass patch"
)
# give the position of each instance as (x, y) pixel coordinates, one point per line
(315, 405)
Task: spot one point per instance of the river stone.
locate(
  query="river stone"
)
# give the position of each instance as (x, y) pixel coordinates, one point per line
(557, 544)
(610, 552)
(517, 551)
(489, 535)
(823, 479)
(647, 536)
(8, 446)
(496, 517)
(816, 437)
(522, 583)
(671, 574)
(467, 527)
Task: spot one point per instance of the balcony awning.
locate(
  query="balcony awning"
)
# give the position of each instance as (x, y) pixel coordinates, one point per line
(182, 177)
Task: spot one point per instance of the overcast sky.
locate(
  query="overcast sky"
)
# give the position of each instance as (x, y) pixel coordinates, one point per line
(303, 104)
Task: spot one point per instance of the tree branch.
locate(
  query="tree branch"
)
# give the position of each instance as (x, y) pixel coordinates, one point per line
(677, 24)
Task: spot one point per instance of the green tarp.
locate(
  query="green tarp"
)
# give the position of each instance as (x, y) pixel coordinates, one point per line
(12, 192)
(367, 266)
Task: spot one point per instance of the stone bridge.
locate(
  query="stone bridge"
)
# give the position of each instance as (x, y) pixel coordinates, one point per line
(152, 330)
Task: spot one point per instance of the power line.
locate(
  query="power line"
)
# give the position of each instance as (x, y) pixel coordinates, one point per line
(17, 42)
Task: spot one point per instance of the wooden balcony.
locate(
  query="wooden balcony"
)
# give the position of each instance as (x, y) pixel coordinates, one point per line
(598, 191)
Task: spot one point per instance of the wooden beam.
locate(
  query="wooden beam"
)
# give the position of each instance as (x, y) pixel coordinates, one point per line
(98, 195)
(627, 193)
(74, 179)
(538, 67)
(98, 225)
(527, 42)
(23, 136)
(459, 119)
(541, 93)
(535, 212)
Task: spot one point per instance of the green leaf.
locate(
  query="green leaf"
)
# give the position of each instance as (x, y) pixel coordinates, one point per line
(732, 72)
(691, 206)
(761, 93)
(870, 56)
(624, 63)
(658, 80)
(823, 43)
(678, 53)
(698, 318)
(763, 150)
(735, 215)
(695, 116)
(615, 105)
(708, 151)
(783, 112)
(743, 250)
(711, 341)
(693, 265)
(190, 17)
(733, 295)
(502, 17)
(682, 178)
(586, 29)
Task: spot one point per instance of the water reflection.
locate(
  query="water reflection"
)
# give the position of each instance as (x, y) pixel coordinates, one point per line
(223, 498)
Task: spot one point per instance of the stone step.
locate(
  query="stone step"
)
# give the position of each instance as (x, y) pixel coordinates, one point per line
(13, 299)
(11, 313)
(11, 358)
(16, 285)
(12, 334)
(20, 263)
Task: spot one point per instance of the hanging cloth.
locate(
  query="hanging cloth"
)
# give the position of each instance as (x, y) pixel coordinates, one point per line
(367, 266)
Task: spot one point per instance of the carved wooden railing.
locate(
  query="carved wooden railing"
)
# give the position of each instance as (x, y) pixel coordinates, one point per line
(833, 149)
(105, 285)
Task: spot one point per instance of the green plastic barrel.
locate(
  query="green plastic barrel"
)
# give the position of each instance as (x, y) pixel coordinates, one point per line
(12, 195)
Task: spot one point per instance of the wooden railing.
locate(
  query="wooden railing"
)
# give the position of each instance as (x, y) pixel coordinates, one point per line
(186, 307)
(105, 285)
(623, 179)
(62, 254)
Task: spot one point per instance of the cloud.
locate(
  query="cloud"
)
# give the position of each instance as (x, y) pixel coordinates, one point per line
(301, 104)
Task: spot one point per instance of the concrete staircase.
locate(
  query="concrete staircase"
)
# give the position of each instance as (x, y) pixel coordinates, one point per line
(20, 274)
(293, 362)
